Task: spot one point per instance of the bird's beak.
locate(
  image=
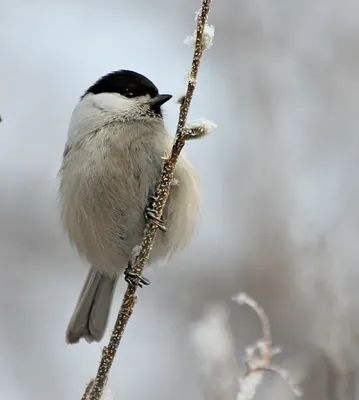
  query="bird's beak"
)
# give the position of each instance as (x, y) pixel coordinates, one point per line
(159, 100)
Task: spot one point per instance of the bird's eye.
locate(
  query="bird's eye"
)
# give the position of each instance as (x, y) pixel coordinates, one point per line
(128, 93)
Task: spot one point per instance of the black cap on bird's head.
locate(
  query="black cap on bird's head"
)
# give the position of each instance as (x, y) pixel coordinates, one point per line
(130, 84)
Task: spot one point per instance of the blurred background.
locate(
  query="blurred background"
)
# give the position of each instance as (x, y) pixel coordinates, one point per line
(280, 192)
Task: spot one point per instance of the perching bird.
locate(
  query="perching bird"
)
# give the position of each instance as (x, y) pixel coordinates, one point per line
(111, 165)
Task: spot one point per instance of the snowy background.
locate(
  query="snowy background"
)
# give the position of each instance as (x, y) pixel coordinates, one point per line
(280, 178)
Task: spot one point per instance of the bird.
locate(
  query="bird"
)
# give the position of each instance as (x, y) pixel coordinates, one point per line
(111, 164)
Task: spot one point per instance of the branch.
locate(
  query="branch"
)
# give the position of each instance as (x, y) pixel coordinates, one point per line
(88, 390)
(255, 365)
(162, 192)
(214, 345)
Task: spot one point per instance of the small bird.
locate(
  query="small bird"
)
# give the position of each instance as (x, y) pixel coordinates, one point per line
(111, 165)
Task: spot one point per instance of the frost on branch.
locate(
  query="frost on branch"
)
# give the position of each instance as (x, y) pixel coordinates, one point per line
(208, 35)
(215, 348)
(107, 394)
(198, 129)
(258, 358)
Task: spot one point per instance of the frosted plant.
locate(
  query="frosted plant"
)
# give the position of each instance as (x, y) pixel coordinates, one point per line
(199, 128)
(208, 35)
(214, 345)
(259, 356)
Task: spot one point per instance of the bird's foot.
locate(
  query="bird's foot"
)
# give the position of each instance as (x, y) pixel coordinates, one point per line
(133, 278)
(151, 216)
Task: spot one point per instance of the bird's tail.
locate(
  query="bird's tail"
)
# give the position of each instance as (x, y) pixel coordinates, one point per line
(90, 317)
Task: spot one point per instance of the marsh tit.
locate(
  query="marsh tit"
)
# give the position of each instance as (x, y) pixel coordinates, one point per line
(111, 165)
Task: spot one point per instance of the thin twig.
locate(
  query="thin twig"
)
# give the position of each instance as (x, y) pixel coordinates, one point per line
(255, 366)
(162, 192)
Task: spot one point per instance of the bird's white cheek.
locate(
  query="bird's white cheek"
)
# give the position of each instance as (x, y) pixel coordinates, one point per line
(112, 102)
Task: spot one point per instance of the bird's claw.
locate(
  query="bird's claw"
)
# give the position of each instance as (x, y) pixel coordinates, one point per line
(151, 216)
(134, 279)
